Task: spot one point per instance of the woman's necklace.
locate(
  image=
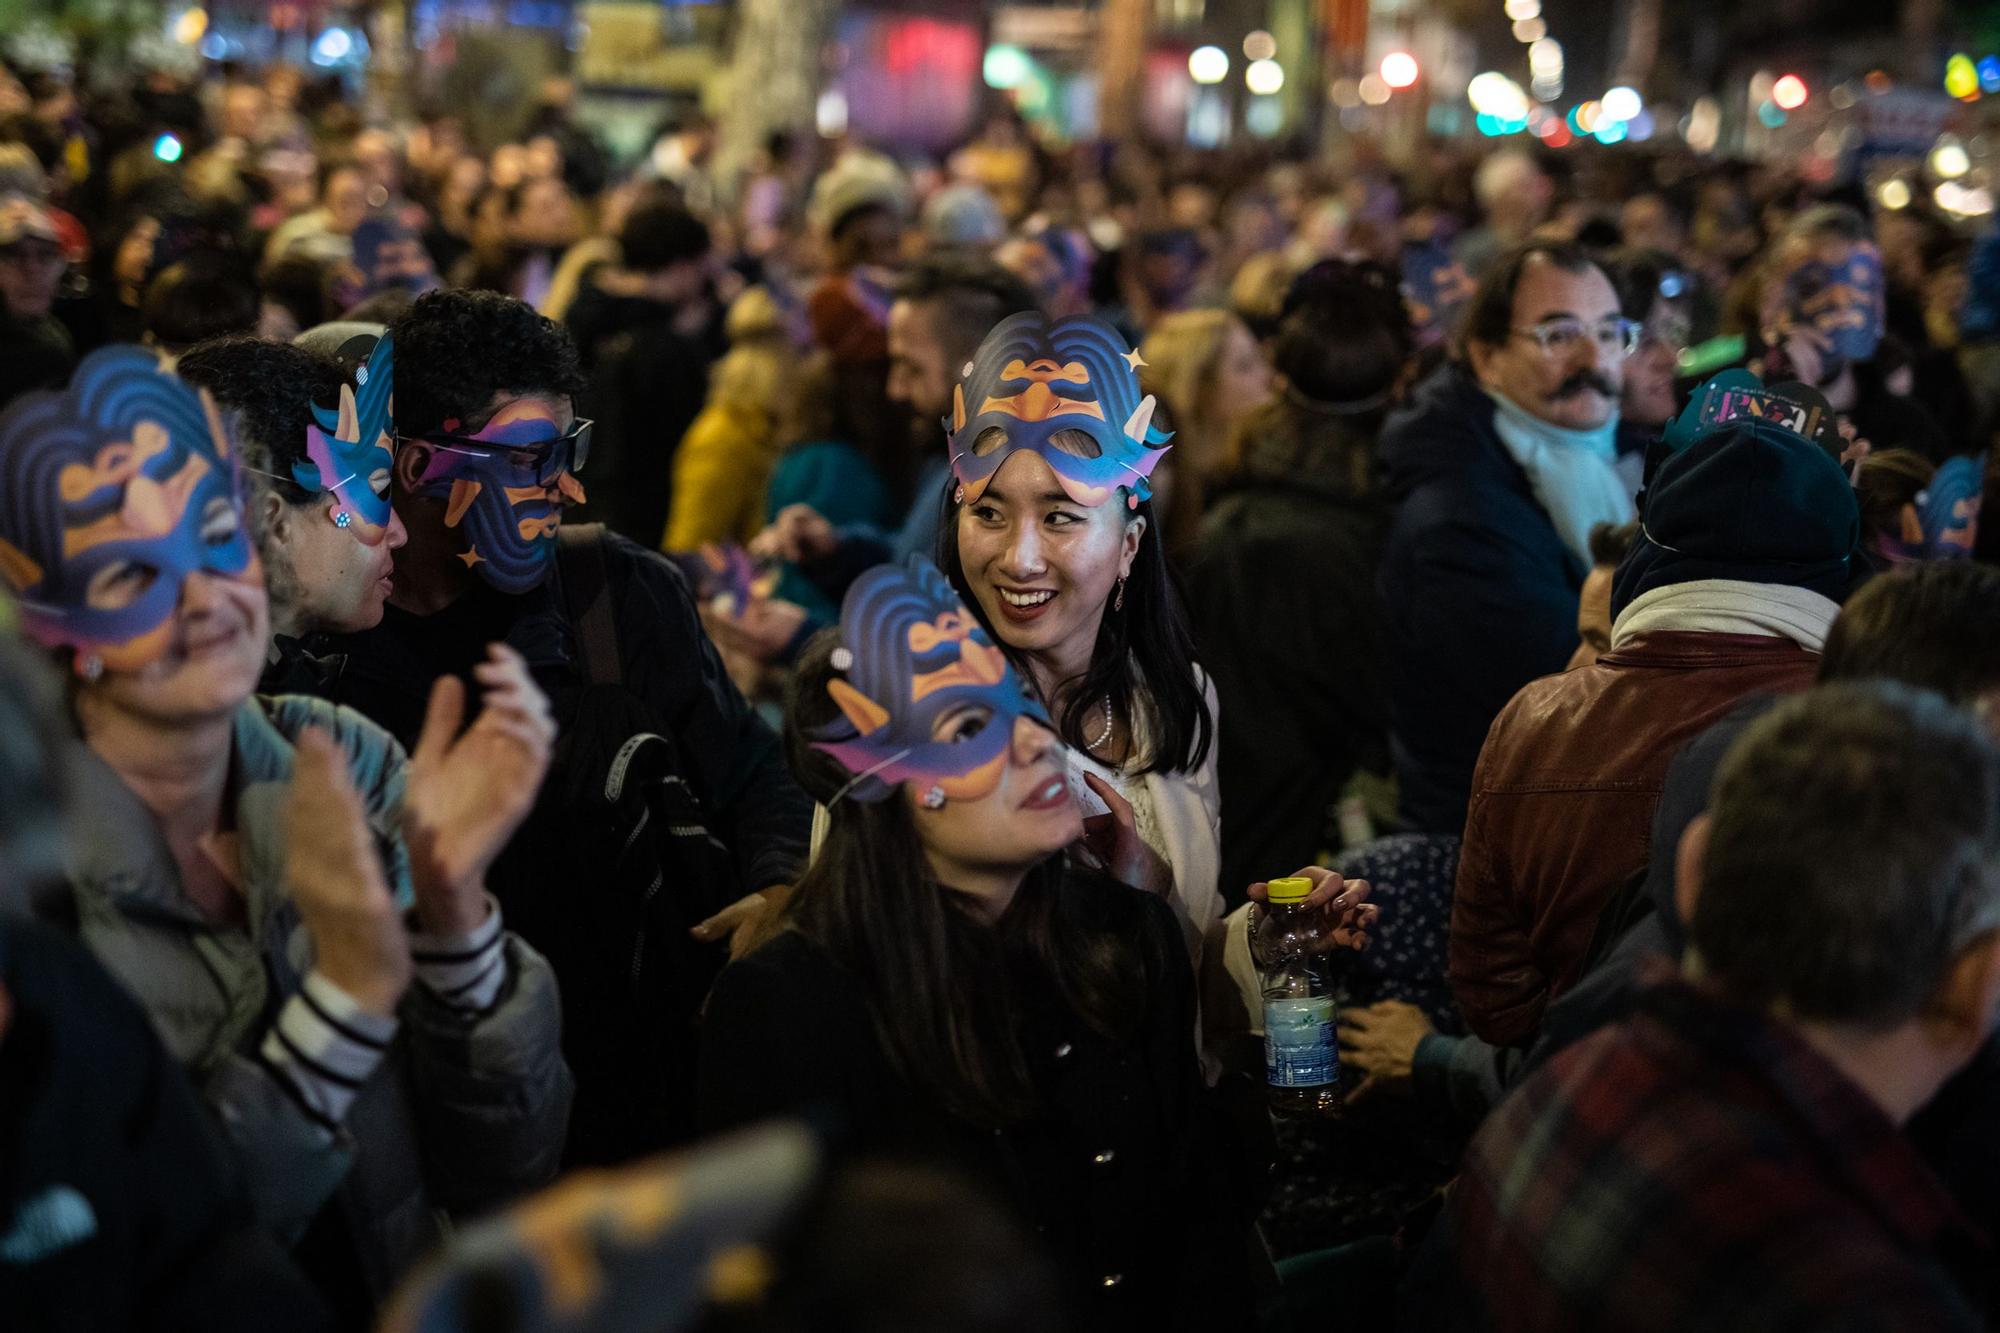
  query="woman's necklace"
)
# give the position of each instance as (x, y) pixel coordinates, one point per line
(1104, 735)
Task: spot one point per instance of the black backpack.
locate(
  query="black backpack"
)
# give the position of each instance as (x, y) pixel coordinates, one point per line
(639, 866)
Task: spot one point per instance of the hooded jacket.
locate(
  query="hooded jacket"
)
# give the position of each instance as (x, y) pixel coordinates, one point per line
(1480, 592)
(461, 1113)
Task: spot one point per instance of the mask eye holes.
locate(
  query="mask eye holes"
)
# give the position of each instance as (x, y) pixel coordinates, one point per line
(220, 522)
(962, 724)
(119, 585)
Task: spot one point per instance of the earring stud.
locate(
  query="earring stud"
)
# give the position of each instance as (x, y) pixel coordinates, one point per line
(934, 799)
(342, 519)
(90, 667)
(958, 496)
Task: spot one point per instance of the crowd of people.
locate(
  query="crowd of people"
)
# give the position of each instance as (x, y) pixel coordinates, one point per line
(514, 663)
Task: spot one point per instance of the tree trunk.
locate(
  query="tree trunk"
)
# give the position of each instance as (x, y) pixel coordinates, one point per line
(774, 78)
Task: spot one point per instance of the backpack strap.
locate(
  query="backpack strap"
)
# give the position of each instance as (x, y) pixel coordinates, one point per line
(586, 587)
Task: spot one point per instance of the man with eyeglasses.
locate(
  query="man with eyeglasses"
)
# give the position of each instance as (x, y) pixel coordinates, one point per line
(669, 799)
(1499, 468)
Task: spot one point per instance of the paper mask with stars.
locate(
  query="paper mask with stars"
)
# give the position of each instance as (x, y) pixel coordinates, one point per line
(348, 448)
(495, 496)
(112, 493)
(924, 695)
(1032, 381)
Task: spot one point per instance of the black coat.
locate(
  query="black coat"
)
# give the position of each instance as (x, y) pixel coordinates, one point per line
(1481, 593)
(1120, 1175)
(1289, 627)
(119, 1204)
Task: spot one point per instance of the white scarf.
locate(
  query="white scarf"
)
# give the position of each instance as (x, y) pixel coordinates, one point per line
(1571, 471)
(1730, 606)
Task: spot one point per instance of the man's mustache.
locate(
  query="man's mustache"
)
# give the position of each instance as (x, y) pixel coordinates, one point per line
(1586, 379)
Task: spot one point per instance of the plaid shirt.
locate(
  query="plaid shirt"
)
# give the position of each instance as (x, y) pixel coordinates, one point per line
(1702, 1167)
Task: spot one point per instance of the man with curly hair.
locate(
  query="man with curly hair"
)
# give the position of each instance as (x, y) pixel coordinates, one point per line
(670, 799)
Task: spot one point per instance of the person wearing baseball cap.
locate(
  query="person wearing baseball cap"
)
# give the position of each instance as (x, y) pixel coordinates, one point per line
(1749, 539)
(35, 349)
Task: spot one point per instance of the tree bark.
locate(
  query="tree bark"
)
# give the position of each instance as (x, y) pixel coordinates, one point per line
(774, 78)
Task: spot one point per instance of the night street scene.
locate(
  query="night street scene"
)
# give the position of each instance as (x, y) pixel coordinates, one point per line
(768, 666)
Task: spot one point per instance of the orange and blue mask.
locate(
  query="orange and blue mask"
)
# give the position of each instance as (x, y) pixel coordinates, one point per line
(925, 696)
(498, 485)
(347, 447)
(112, 493)
(1030, 382)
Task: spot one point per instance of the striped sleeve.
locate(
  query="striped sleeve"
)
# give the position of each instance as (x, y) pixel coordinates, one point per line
(465, 971)
(324, 1046)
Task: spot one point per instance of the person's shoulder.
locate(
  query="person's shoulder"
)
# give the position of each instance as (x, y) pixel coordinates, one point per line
(627, 564)
(47, 970)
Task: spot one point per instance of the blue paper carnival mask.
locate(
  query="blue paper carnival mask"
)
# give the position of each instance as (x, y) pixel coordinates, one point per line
(496, 485)
(1947, 515)
(348, 448)
(912, 656)
(1031, 381)
(111, 494)
(1847, 302)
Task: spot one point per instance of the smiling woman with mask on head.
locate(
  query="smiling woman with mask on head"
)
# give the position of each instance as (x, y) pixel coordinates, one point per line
(268, 877)
(948, 986)
(1050, 535)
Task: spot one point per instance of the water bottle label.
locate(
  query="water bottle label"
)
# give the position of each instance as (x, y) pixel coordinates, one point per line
(1301, 1049)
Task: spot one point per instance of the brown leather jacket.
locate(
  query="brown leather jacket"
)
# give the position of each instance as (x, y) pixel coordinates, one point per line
(1563, 801)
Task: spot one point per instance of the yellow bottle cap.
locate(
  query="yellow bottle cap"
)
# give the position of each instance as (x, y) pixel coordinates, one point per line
(1291, 889)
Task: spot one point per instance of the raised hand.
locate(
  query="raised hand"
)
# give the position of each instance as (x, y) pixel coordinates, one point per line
(335, 875)
(468, 792)
(1112, 841)
(799, 534)
(1341, 907)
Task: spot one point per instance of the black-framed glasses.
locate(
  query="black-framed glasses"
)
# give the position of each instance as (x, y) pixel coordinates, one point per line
(547, 459)
(1616, 336)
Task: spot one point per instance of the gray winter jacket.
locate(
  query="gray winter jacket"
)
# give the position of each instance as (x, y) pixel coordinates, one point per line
(464, 1111)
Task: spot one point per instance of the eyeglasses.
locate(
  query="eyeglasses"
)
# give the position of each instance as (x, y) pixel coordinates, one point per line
(547, 459)
(1617, 336)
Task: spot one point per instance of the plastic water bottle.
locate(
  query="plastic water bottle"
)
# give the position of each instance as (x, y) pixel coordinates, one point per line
(1301, 1049)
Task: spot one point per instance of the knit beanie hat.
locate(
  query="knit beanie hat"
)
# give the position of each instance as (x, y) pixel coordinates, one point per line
(1749, 501)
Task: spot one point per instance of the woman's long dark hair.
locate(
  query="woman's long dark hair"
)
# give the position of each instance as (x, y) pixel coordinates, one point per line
(942, 986)
(1144, 658)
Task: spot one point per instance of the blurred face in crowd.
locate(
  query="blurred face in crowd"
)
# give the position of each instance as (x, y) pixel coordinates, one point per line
(345, 199)
(1026, 817)
(1649, 398)
(323, 576)
(544, 158)
(462, 185)
(545, 215)
(1242, 380)
(243, 109)
(1574, 382)
(919, 377)
(1042, 566)
(135, 253)
(1646, 223)
(30, 274)
(375, 153)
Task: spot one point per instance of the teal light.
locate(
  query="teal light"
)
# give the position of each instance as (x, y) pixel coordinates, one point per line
(1006, 66)
(1771, 115)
